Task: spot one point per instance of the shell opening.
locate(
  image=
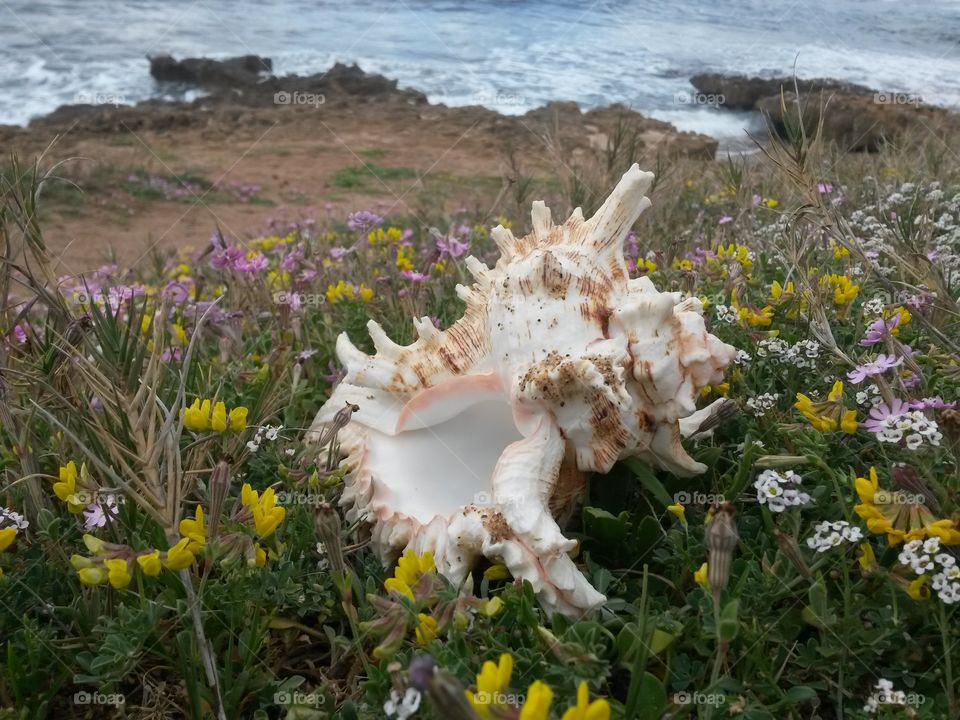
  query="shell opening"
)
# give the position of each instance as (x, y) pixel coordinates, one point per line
(438, 462)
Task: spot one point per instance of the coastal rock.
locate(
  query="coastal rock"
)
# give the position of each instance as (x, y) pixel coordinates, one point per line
(743, 93)
(230, 73)
(854, 117)
(855, 122)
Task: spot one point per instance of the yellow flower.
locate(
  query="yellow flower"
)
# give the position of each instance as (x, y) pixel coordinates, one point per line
(260, 555)
(844, 290)
(684, 265)
(781, 293)
(238, 419)
(195, 530)
(700, 577)
(150, 563)
(492, 606)
(426, 629)
(678, 511)
(267, 516)
(839, 251)
(118, 572)
(179, 334)
(848, 422)
(771, 203)
(345, 291)
(648, 265)
(179, 556)
(197, 416)
(92, 575)
(492, 681)
(66, 488)
(218, 422)
(6, 537)
(410, 569)
(899, 516)
(737, 253)
(586, 710)
(94, 544)
(918, 589)
(497, 571)
(537, 704)
(867, 560)
(405, 258)
(827, 416)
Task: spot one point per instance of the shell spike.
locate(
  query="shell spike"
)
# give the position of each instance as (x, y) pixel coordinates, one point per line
(350, 355)
(425, 328)
(609, 226)
(480, 272)
(542, 221)
(381, 341)
(505, 241)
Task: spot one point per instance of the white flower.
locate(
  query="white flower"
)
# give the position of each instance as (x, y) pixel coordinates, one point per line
(778, 492)
(831, 534)
(404, 707)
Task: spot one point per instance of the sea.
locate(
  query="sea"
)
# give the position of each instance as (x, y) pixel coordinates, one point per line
(510, 55)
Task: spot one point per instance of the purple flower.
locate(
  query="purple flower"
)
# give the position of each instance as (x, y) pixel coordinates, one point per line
(824, 188)
(874, 367)
(931, 403)
(757, 200)
(338, 252)
(363, 220)
(252, 264)
(173, 354)
(20, 333)
(630, 247)
(452, 247)
(226, 258)
(415, 276)
(725, 219)
(305, 355)
(879, 329)
(99, 514)
(176, 293)
(882, 416)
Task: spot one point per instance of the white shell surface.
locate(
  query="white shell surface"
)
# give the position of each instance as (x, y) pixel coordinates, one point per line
(467, 441)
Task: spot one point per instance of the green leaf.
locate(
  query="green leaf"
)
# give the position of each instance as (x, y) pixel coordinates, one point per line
(653, 698)
(644, 473)
(729, 623)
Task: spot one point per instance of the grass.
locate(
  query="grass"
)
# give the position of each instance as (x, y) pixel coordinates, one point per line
(796, 253)
(370, 176)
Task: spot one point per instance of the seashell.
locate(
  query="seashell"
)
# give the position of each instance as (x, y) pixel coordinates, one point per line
(471, 441)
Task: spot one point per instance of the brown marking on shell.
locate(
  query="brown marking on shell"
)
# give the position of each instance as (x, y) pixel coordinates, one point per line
(496, 525)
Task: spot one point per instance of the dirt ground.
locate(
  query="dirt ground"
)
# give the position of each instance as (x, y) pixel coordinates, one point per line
(138, 185)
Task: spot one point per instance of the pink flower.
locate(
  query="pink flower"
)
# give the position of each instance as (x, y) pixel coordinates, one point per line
(824, 188)
(874, 367)
(725, 219)
(452, 246)
(932, 403)
(415, 276)
(879, 329)
(252, 264)
(882, 415)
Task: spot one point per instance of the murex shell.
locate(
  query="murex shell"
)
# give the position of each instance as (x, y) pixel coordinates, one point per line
(472, 440)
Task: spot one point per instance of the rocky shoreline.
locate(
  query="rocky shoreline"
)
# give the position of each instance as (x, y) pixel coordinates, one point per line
(243, 92)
